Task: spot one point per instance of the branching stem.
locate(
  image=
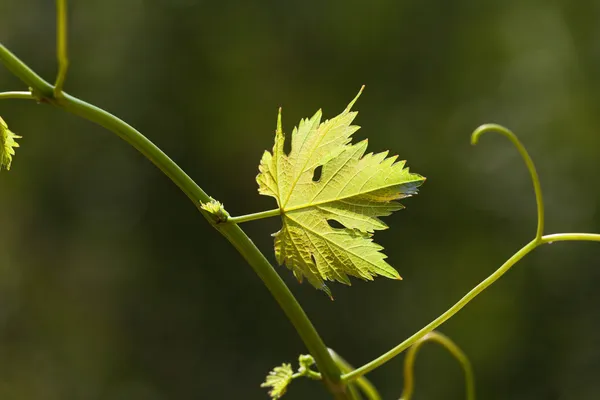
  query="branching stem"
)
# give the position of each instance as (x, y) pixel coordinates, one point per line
(40, 88)
(44, 92)
(442, 318)
(537, 241)
(363, 383)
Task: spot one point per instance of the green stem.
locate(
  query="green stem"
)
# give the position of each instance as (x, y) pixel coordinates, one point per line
(538, 240)
(363, 383)
(537, 187)
(255, 216)
(138, 141)
(285, 298)
(444, 317)
(563, 237)
(45, 93)
(18, 68)
(547, 239)
(17, 95)
(457, 353)
(61, 46)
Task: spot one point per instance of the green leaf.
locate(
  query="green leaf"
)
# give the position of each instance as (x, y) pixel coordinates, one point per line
(353, 189)
(7, 145)
(278, 380)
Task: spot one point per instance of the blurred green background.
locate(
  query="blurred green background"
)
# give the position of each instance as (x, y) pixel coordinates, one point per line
(112, 286)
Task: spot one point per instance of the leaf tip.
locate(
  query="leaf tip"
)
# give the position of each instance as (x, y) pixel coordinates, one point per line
(349, 107)
(279, 128)
(327, 291)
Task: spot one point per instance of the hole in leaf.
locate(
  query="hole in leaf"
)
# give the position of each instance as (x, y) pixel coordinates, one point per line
(314, 260)
(335, 224)
(317, 173)
(287, 145)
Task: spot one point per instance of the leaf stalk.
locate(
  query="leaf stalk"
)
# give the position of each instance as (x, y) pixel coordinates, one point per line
(254, 217)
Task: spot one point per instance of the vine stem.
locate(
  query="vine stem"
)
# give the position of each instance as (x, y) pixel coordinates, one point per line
(558, 237)
(564, 237)
(255, 216)
(44, 92)
(53, 94)
(39, 87)
(448, 344)
(443, 317)
(538, 240)
(61, 46)
(363, 383)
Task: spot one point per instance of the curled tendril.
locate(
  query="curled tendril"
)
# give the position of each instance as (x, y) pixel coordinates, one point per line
(457, 353)
(528, 162)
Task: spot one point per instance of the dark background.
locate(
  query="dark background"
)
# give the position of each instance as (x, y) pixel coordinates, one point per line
(112, 286)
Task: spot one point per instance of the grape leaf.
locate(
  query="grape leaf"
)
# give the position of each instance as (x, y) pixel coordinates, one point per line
(278, 380)
(353, 189)
(8, 144)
